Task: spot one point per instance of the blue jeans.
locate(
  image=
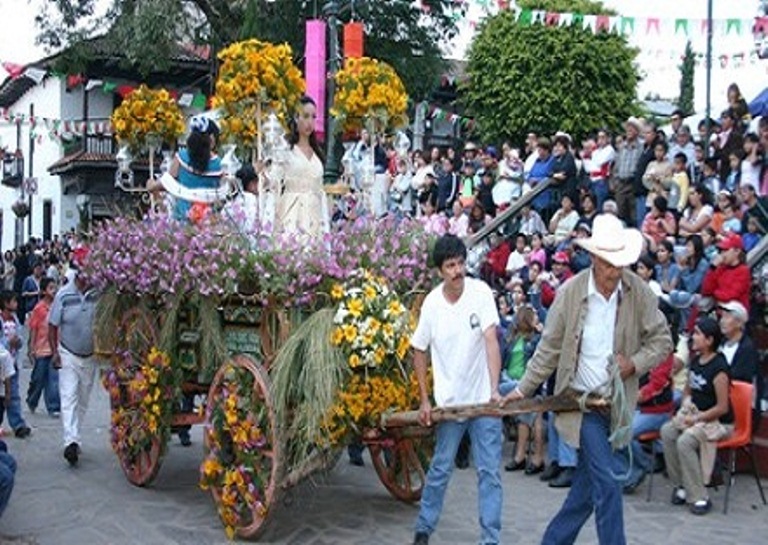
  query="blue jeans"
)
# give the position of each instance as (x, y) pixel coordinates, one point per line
(600, 189)
(7, 473)
(485, 433)
(594, 489)
(641, 463)
(44, 378)
(558, 451)
(15, 420)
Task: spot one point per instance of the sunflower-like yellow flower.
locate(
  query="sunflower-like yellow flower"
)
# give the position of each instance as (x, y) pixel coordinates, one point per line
(337, 291)
(356, 307)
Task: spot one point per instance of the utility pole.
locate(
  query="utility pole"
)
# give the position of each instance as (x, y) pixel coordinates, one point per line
(709, 76)
(331, 11)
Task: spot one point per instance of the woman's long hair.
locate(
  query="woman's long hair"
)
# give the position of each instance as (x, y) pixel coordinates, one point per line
(698, 250)
(293, 135)
(199, 147)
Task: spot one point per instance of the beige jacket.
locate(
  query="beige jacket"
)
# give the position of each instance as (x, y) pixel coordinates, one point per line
(641, 334)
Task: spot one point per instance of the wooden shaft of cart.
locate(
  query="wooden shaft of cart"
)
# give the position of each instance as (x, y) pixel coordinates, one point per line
(568, 402)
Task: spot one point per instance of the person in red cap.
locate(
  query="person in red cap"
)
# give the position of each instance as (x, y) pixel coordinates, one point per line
(728, 278)
(561, 272)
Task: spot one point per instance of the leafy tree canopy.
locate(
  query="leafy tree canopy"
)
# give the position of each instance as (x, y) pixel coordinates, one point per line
(145, 32)
(544, 79)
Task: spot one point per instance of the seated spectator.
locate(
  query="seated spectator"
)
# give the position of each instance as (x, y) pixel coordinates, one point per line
(737, 348)
(484, 193)
(710, 240)
(433, 222)
(467, 185)
(754, 207)
(731, 221)
(531, 222)
(561, 273)
(519, 346)
(730, 278)
(658, 224)
(705, 417)
(516, 260)
(699, 212)
(589, 209)
(493, 269)
(458, 223)
(732, 181)
(645, 269)
(610, 207)
(477, 218)
(564, 221)
(693, 266)
(753, 161)
(580, 258)
(666, 271)
(538, 253)
(752, 236)
(710, 179)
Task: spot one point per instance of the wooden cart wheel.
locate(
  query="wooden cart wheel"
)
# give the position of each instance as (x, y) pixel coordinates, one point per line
(242, 463)
(401, 464)
(137, 334)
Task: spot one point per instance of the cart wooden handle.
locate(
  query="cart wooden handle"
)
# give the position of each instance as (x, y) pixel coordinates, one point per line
(560, 403)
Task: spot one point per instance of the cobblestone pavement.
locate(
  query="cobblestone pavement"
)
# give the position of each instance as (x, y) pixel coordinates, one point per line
(53, 504)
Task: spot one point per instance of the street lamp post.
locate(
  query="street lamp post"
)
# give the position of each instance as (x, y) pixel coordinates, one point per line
(709, 76)
(331, 11)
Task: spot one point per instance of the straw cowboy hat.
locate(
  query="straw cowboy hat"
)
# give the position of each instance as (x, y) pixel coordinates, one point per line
(618, 245)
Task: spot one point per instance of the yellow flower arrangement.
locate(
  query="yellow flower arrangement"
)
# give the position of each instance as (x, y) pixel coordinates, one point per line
(148, 113)
(368, 90)
(372, 325)
(372, 329)
(255, 74)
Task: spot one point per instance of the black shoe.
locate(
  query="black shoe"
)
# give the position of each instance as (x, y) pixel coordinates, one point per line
(515, 466)
(185, 440)
(357, 461)
(551, 472)
(71, 453)
(533, 469)
(631, 486)
(678, 496)
(421, 539)
(564, 480)
(701, 507)
(22, 431)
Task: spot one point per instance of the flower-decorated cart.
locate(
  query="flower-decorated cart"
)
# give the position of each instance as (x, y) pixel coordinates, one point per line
(284, 353)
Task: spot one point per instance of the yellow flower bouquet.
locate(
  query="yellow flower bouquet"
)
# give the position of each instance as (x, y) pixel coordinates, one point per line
(372, 329)
(146, 114)
(255, 75)
(368, 90)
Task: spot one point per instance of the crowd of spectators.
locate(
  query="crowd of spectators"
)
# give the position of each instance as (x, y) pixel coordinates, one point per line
(700, 200)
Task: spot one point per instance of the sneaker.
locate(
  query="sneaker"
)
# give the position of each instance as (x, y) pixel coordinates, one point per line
(22, 431)
(564, 479)
(71, 453)
(54, 414)
(701, 507)
(551, 472)
(678, 496)
(515, 466)
(421, 539)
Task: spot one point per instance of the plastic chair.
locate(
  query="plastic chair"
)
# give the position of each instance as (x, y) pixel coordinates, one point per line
(650, 437)
(741, 401)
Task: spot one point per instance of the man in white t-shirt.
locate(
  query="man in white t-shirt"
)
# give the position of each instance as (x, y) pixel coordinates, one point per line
(458, 324)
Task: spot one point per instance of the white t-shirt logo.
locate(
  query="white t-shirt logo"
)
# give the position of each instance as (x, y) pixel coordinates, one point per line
(474, 321)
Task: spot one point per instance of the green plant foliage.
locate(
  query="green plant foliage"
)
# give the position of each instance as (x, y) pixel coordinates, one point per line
(545, 79)
(687, 69)
(405, 34)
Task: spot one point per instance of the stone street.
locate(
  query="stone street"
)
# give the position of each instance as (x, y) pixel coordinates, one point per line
(93, 504)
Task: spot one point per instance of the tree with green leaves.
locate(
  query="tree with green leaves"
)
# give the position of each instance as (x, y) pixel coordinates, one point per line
(145, 32)
(525, 76)
(687, 69)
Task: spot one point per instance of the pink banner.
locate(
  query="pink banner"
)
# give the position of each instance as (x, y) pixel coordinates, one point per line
(315, 71)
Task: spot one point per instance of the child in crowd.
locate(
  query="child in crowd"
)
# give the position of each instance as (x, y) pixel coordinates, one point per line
(752, 236)
(681, 184)
(7, 370)
(666, 270)
(538, 253)
(709, 238)
(11, 340)
(710, 178)
(733, 179)
(645, 269)
(731, 222)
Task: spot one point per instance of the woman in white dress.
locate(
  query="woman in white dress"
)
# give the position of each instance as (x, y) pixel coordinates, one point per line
(301, 202)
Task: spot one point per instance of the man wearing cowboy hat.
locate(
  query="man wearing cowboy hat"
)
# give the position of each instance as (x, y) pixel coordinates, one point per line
(604, 316)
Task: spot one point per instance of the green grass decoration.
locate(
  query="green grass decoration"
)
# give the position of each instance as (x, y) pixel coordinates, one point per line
(306, 376)
(213, 346)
